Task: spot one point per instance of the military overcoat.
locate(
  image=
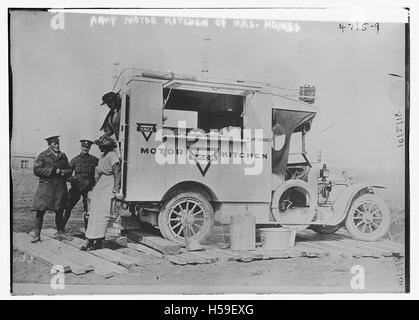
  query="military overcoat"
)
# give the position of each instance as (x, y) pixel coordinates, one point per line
(51, 193)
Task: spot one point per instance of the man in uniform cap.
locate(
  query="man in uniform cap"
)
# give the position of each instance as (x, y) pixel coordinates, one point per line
(52, 168)
(83, 180)
(111, 124)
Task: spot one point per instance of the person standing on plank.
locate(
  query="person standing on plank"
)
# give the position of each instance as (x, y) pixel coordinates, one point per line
(111, 123)
(52, 168)
(108, 173)
(83, 166)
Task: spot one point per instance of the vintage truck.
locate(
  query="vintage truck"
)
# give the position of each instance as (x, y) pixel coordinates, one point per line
(195, 151)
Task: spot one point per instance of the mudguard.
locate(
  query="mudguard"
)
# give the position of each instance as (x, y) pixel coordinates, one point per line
(343, 203)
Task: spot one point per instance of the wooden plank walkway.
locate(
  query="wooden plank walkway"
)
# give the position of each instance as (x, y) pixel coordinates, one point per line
(108, 263)
(125, 242)
(106, 254)
(308, 244)
(139, 247)
(42, 253)
(101, 265)
(158, 243)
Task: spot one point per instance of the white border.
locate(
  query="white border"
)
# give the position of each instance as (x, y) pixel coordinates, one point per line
(4, 161)
(358, 14)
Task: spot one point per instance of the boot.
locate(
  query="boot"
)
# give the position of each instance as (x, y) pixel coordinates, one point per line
(39, 219)
(67, 214)
(58, 236)
(98, 244)
(89, 245)
(66, 236)
(36, 238)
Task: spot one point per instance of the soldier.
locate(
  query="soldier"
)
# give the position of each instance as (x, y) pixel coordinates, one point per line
(83, 180)
(52, 168)
(111, 124)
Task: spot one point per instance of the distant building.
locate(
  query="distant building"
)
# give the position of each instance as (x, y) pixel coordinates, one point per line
(22, 161)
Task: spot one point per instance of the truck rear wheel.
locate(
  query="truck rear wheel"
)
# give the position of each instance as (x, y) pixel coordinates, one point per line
(188, 214)
(368, 218)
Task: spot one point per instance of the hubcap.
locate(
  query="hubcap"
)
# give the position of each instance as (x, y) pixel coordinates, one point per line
(186, 218)
(367, 217)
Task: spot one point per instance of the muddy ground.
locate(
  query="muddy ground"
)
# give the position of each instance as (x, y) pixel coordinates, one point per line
(329, 274)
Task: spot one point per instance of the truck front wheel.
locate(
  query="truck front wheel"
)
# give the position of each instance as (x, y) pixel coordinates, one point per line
(188, 214)
(368, 218)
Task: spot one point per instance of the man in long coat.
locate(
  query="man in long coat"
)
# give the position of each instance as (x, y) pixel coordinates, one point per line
(52, 168)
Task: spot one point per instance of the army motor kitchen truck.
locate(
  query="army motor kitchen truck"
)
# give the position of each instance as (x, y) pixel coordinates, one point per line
(229, 155)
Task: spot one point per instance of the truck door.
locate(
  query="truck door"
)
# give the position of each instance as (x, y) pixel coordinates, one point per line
(123, 137)
(257, 117)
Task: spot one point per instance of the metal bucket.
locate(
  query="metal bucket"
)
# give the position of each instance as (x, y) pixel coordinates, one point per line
(277, 238)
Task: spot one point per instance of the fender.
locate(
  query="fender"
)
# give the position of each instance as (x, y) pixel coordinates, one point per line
(344, 202)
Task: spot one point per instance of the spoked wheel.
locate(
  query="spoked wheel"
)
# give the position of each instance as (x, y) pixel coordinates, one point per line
(188, 214)
(368, 218)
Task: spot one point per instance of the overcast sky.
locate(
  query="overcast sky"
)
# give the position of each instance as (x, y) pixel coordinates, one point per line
(59, 76)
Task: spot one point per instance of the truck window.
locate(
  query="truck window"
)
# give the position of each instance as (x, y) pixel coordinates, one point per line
(202, 110)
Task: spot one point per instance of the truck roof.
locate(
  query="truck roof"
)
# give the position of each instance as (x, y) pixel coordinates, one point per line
(171, 80)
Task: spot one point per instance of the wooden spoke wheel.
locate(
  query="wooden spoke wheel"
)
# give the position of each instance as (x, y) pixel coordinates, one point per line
(368, 218)
(186, 215)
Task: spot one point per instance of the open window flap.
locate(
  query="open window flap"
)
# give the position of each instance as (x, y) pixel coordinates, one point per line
(286, 122)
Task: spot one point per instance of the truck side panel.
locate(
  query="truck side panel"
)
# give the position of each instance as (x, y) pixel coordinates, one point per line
(147, 180)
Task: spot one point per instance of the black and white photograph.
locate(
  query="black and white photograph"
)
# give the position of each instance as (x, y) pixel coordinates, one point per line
(209, 151)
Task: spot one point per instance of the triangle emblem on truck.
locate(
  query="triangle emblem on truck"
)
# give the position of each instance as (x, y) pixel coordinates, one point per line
(203, 159)
(203, 170)
(146, 129)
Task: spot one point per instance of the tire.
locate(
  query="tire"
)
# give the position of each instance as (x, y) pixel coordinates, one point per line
(173, 222)
(300, 218)
(368, 218)
(323, 229)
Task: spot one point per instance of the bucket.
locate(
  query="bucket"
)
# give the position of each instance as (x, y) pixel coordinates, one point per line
(277, 238)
